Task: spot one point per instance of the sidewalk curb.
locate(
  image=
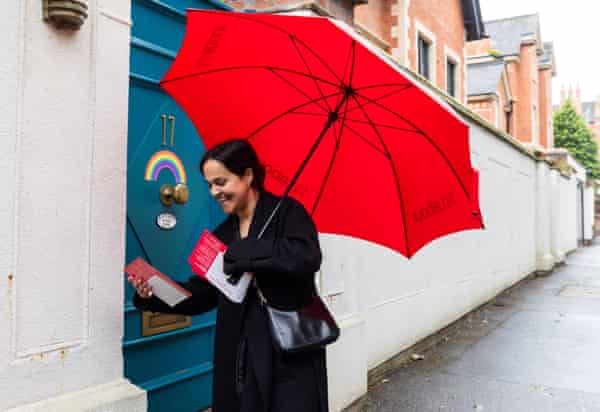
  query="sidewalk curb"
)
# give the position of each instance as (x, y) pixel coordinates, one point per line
(359, 405)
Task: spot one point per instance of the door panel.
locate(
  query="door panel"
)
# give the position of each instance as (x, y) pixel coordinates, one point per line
(175, 366)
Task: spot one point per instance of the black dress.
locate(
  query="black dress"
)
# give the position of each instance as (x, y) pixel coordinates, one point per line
(249, 374)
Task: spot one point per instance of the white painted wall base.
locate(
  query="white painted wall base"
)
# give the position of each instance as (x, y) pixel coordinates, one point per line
(349, 382)
(559, 257)
(588, 217)
(543, 221)
(117, 396)
(545, 263)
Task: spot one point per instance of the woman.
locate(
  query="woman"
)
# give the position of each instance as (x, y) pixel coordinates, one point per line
(250, 375)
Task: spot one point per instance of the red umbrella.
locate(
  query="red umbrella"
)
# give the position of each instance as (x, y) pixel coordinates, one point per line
(369, 152)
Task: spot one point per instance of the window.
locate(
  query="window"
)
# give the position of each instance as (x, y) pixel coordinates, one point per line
(451, 78)
(424, 50)
(454, 74)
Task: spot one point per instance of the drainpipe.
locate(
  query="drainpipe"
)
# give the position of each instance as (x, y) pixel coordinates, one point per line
(508, 109)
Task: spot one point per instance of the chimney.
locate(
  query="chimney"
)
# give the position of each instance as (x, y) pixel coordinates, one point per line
(578, 99)
(570, 96)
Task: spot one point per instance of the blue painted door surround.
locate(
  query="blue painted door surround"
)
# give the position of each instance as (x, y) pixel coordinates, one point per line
(175, 367)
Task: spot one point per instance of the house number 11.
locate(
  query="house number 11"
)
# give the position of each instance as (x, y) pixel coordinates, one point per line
(171, 119)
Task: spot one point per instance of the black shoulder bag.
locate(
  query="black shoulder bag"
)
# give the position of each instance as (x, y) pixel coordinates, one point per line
(307, 328)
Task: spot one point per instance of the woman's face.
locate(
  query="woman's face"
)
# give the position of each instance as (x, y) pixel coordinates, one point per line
(229, 189)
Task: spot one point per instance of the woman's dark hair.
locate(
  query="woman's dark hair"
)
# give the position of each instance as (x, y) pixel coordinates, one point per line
(237, 155)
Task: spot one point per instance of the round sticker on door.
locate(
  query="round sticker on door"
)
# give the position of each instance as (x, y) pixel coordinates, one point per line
(166, 221)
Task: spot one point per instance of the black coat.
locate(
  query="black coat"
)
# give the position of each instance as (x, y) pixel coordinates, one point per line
(284, 262)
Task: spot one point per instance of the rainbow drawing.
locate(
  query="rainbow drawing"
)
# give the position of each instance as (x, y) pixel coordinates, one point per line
(165, 159)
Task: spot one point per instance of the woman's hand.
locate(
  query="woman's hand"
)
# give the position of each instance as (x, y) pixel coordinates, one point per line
(141, 286)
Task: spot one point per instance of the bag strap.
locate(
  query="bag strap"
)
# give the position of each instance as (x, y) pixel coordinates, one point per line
(270, 218)
(260, 235)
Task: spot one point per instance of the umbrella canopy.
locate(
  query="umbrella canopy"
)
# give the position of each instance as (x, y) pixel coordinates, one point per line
(369, 152)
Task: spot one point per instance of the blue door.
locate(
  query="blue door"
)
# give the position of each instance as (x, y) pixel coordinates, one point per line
(169, 356)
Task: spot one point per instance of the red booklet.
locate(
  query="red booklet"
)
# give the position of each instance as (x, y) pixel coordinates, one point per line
(207, 262)
(162, 286)
(204, 254)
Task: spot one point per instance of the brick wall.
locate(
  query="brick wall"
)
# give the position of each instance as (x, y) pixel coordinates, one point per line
(502, 101)
(485, 108)
(545, 105)
(527, 95)
(531, 88)
(340, 9)
(443, 19)
(512, 70)
(376, 16)
(479, 47)
(492, 108)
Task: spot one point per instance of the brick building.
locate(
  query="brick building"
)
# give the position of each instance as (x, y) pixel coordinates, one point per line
(591, 113)
(427, 36)
(340, 9)
(510, 79)
(489, 91)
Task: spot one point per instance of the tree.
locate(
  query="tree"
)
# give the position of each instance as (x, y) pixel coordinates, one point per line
(572, 133)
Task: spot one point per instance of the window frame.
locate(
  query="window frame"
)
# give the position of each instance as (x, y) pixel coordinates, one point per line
(453, 57)
(451, 66)
(422, 32)
(424, 53)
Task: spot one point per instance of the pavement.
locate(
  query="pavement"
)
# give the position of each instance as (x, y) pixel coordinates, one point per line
(534, 348)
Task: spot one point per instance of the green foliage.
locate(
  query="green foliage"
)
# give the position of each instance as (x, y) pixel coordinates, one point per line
(572, 133)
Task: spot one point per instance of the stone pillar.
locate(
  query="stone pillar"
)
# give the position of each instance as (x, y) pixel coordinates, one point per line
(63, 128)
(588, 215)
(543, 197)
(557, 217)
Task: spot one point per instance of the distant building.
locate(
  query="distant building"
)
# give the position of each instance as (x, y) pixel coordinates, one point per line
(427, 36)
(510, 79)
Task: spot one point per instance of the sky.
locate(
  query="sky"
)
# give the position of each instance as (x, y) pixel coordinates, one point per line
(574, 27)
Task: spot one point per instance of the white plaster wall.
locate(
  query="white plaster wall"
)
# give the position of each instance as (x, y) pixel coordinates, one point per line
(557, 211)
(571, 218)
(544, 259)
(588, 213)
(63, 123)
(580, 172)
(397, 302)
(574, 211)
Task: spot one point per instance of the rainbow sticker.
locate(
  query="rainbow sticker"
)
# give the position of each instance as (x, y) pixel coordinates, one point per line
(165, 159)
